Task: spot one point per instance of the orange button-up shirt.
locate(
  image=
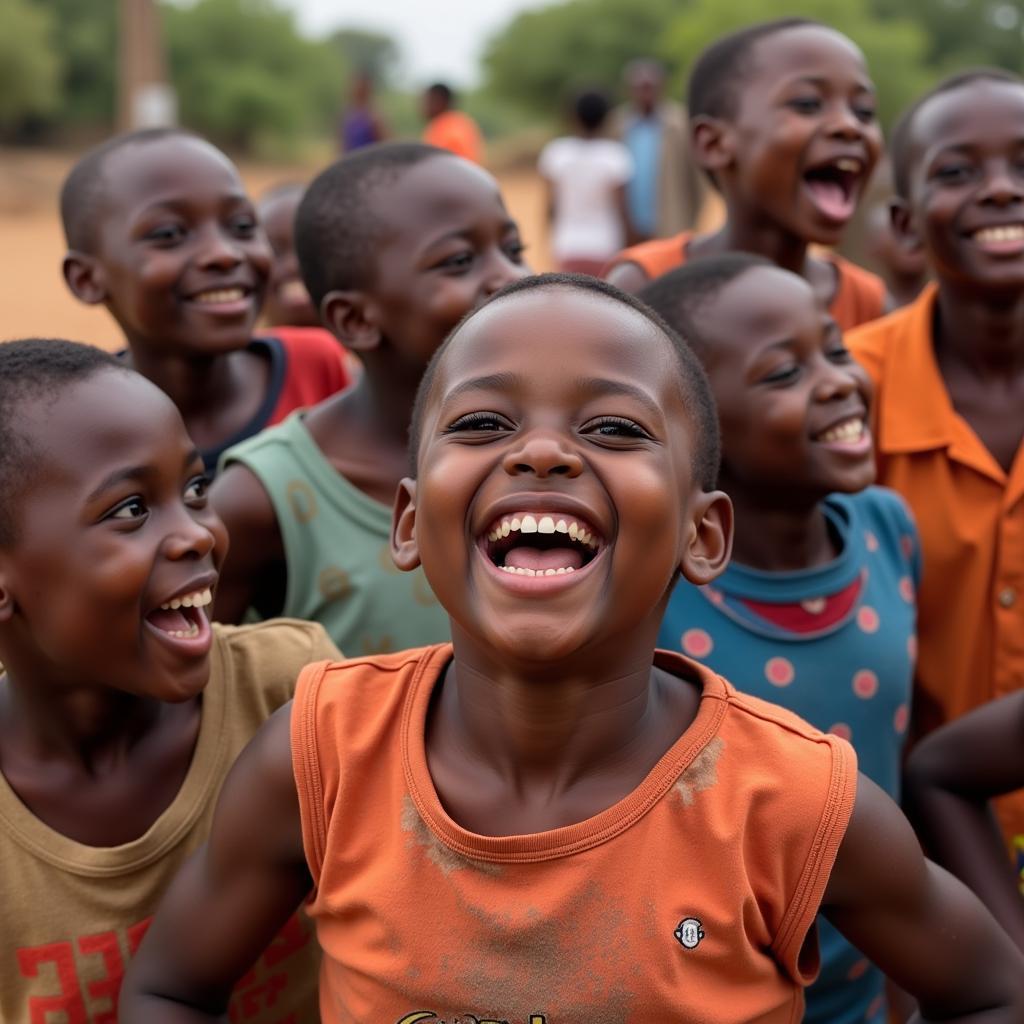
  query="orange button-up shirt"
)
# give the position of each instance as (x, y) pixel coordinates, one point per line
(456, 132)
(970, 515)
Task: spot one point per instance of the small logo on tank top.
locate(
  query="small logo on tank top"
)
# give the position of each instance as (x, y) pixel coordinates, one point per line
(690, 932)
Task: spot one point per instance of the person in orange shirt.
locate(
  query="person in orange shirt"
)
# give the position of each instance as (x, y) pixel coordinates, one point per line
(949, 374)
(782, 116)
(448, 128)
(546, 821)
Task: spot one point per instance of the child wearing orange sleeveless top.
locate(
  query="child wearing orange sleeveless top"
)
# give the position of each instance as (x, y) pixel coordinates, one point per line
(783, 122)
(546, 821)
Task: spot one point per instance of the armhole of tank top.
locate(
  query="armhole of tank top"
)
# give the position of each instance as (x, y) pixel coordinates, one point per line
(803, 906)
(306, 766)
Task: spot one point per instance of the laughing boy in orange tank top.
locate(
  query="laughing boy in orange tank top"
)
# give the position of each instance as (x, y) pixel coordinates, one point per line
(546, 822)
(783, 121)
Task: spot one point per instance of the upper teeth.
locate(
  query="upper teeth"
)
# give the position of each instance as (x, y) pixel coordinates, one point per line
(849, 430)
(847, 164)
(1010, 233)
(220, 295)
(546, 524)
(199, 599)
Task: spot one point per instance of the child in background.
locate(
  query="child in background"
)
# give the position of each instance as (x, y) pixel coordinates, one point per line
(288, 303)
(397, 243)
(816, 609)
(547, 821)
(949, 378)
(950, 777)
(783, 121)
(121, 707)
(448, 128)
(904, 267)
(160, 231)
(586, 177)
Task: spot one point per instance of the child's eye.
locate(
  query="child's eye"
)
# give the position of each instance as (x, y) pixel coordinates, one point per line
(195, 492)
(838, 355)
(165, 234)
(951, 173)
(514, 250)
(805, 104)
(458, 261)
(614, 426)
(245, 226)
(480, 422)
(130, 508)
(783, 375)
(864, 114)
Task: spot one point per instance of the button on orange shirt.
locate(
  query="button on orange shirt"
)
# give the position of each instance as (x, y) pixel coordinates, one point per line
(859, 295)
(970, 515)
(691, 899)
(455, 131)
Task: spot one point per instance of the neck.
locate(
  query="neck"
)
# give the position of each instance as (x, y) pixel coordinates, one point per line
(382, 400)
(744, 233)
(982, 332)
(775, 532)
(553, 724)
(195, 385)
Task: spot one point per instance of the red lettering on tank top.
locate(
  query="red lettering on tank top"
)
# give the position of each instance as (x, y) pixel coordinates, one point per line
(69, 1000)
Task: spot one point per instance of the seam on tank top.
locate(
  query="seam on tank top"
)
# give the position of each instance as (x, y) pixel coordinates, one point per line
(823, 841)
(312, 779)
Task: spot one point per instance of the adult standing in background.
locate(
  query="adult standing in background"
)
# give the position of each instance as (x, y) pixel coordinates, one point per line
(449, 128)
(665, 192)
(360, 125)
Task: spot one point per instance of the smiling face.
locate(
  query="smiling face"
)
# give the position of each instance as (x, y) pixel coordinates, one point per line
(555, 502)
(792, 403)
(805, 137)
(180, 258)
(449, 243)
(116, 549)
(966, 184)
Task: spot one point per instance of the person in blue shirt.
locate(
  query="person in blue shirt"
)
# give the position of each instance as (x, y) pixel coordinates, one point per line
(817, 610)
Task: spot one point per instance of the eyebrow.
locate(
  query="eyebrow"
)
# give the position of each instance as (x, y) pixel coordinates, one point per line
(821, 83)
(489, 382)
(601, 386)
(133, 473)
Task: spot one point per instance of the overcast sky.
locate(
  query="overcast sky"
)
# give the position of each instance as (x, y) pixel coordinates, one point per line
(439, 38)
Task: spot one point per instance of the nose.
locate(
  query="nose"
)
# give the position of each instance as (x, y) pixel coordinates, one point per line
(834, 382)
(219, 250)
(1002, 185)
(500, 271)
(845, 124)
(542, 454)
(188, 537)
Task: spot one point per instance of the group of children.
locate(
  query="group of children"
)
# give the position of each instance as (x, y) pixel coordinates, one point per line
(506, 805)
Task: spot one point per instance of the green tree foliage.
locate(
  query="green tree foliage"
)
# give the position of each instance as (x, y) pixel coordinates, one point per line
(895, 48)
(372, 53)
(245, 76)
(29, 69)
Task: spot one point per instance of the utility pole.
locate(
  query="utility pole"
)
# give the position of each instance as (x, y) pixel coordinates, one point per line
(145, 96)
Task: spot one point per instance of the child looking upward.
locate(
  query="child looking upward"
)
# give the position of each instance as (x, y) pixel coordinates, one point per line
(160, 231)
(783, 121)
(816, 609)
(602, 831)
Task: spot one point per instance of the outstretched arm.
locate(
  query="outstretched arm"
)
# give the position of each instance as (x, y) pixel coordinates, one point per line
(923, 928)
(230, 900)
(950, 778)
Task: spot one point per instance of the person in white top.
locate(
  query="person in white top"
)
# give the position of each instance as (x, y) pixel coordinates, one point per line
(587, 176)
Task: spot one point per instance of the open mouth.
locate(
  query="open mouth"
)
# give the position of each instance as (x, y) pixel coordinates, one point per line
(532, 544)
(835, 187)
(851, 433)
(182, 618)
(1000, 238)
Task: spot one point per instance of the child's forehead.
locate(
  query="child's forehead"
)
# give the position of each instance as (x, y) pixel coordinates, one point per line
(802, 51)
(978, 111)
(764, 303)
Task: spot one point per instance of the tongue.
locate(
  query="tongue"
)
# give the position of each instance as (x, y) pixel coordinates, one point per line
(169, 621)
(831, 198)
(548, 558)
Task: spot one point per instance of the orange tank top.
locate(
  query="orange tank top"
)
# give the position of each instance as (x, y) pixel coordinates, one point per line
(692, 899)
(859, 295)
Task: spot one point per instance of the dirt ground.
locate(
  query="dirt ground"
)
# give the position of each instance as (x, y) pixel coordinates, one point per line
(33, 298)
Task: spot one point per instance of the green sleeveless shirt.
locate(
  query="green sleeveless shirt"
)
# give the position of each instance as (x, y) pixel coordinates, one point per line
(337, 549)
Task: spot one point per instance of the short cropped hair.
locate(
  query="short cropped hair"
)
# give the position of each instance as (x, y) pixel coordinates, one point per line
(693, 382)
(34, 370)
(81, 196)
(679, 296)
(591, 108)
(336, 226)
(443, 92)
(722, 69)
(902, 134)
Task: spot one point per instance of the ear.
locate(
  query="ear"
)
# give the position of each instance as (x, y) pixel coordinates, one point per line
(353, 318)
(84, 276)
(404, 549)
(709, 543)
(713, 143)
(901, 219)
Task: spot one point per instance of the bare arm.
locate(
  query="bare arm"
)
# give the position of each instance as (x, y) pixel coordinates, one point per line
(951, 776)
(627, 276)
(254, 573)
(922, 927)
(229, 900)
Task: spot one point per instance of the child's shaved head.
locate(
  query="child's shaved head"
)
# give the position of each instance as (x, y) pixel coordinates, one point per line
(32, 371)
(901, 143)
(82, 195)
(337, 227)
(693, 383)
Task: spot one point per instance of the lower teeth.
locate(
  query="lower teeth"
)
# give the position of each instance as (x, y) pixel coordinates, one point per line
(184, 634)
(536, 572)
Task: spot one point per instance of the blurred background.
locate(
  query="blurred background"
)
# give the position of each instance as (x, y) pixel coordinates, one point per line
(269, 81)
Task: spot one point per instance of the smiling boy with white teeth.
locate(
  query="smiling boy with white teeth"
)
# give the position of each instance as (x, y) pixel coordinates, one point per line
(546, 822)
(949, 375)
(816, 610)
(121, 706)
